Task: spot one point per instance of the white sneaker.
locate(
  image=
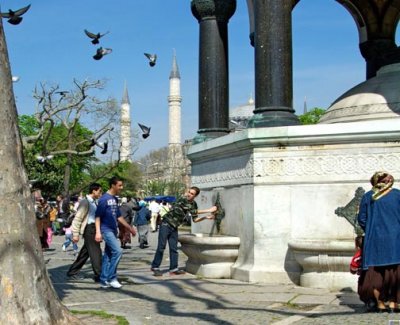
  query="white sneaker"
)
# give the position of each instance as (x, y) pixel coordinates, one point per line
(64, 248)
(115, 284)
(105, 285)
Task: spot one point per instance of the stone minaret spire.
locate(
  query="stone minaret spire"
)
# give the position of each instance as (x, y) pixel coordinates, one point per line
(125, 127)
(175, 154)
(174, 103)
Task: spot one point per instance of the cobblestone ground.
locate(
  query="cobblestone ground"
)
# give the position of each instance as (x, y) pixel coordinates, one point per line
(145, 299)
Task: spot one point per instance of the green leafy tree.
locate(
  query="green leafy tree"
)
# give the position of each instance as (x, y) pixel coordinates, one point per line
(48, 174)
(175, 188)
(312, 117)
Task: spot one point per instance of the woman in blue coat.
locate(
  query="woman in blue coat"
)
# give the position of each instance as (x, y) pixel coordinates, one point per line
(379, 216)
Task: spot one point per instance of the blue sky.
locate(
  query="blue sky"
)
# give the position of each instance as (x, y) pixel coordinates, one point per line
(50, 46)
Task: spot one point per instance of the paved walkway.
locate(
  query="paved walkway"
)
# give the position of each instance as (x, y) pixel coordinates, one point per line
(145, 299)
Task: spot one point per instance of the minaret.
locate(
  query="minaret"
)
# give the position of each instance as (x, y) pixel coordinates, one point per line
(175, 156)
(125, 127)
(305, 105)
(174, 103)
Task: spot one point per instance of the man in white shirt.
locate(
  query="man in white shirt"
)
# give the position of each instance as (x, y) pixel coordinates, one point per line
(154, 208)
(84, 224)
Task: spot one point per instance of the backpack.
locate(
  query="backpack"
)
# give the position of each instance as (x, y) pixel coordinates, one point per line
(69, 219)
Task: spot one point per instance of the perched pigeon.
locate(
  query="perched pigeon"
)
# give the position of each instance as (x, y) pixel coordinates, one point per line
(145, 130)
(152, 59)
(14, 16)
(101, 52)
(95, 37)
(92, 142)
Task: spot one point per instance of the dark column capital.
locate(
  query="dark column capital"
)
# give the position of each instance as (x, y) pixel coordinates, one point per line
(221, 10)
(378, 53)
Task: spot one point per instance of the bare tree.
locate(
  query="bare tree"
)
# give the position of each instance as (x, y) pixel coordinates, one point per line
(68, 108)
(26, 293)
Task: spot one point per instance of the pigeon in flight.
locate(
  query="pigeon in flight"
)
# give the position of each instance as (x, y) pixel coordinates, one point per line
(101, 52)
(42, 159)
(152, 59)
(105, 147)
(14, 17)
(62, 93)
(95, 37)
(101, 145)
(145, 130)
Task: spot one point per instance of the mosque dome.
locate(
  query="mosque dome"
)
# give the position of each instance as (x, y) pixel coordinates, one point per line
(239, 116)
(374, 99)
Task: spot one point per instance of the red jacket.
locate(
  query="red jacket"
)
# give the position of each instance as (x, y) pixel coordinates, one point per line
(356, 262)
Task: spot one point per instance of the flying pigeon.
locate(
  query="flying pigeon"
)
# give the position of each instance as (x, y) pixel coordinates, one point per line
(105, 147)
(42, 159)
(102, 145)
(95, 37)
(100, 52)
(62, 93)
(145, 130)
(152, 59)
(14, 16)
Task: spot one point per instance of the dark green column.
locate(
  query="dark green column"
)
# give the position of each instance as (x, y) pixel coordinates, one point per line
(273, 64)
(213, 17)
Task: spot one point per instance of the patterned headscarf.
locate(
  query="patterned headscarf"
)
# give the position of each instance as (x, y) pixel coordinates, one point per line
(382, 183)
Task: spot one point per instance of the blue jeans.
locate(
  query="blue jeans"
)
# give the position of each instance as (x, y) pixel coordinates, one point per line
(68, 241)
(111, 257)
(170, 234)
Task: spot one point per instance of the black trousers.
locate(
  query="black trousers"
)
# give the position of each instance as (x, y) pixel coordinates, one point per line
(91, 249)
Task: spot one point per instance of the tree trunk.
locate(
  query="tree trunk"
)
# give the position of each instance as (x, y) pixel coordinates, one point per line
(26, 293)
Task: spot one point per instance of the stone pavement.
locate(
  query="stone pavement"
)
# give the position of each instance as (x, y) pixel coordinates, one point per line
(187, 299)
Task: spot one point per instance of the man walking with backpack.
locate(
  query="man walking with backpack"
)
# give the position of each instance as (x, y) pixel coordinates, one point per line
(84, 224)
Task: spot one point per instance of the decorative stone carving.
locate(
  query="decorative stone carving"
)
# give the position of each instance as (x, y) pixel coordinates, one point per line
(349, 212)
(219, 214)
(229, 169)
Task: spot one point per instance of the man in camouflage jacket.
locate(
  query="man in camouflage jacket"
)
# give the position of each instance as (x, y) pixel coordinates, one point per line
(185, 207)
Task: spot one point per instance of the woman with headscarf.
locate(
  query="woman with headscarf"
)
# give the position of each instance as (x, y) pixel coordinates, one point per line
(379, 217)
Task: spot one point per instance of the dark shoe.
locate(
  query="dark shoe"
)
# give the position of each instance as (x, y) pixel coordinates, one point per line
(76, 277)
(96, 279)
(177, 272)
(141, 245)
(157, 272)
(382, 310)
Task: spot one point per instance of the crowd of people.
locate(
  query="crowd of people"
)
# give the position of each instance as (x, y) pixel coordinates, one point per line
(108, 217)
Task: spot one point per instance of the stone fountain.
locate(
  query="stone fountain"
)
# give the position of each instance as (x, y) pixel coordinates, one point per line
(280, 183)
(210, 254)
